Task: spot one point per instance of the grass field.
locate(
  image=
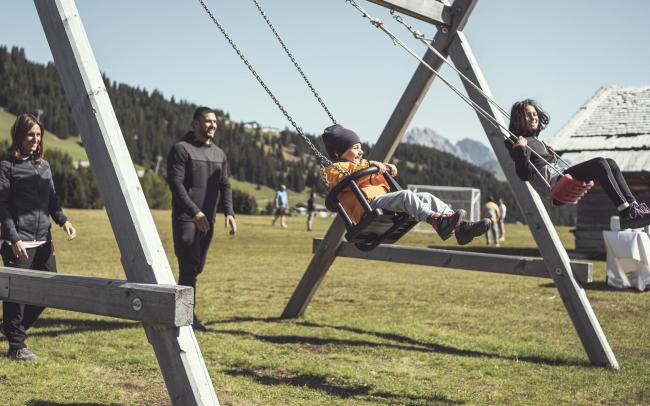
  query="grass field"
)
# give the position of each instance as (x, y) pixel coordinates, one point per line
(375, 333)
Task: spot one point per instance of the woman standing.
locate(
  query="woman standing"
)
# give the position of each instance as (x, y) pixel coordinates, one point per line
(527, 120)
(27, 200)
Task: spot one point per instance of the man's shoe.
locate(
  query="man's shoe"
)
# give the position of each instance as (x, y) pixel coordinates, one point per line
(198, 326)
(468, 230)
(445, 225)
(21, 354)
(634, 216)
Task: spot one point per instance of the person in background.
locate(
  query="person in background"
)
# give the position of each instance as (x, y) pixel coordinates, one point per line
(198, 176)
(311, 210)
(27, 201)
(281, 203)
(502, 219)
(491, 211)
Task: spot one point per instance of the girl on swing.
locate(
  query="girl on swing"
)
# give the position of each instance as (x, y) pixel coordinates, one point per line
(527, 120)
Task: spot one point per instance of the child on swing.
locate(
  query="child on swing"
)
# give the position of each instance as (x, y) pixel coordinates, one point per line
(344, 147)
(527, 120)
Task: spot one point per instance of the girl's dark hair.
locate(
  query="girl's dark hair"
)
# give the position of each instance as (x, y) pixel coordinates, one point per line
(19, 130)
(518, 118)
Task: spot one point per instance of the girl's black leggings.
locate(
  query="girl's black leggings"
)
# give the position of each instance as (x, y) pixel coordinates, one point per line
(607, 172)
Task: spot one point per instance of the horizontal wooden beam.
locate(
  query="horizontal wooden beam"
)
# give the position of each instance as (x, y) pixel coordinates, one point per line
(431, 11)
(153, 304)
(472, 261)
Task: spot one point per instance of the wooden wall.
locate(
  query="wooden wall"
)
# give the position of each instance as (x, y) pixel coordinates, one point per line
(595, 210)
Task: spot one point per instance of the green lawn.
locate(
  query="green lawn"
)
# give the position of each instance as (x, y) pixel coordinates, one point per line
(375, 333)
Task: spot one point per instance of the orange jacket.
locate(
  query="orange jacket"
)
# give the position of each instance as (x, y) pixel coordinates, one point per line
(371, 186)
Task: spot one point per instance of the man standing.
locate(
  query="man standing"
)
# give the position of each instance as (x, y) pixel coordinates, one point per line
(491, 211)
(197, 172)
(281, 203)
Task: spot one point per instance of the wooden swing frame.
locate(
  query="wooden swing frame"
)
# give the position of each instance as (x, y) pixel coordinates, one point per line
(450, 41)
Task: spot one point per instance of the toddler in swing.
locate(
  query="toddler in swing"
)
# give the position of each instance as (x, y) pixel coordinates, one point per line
(527, 120)
(344, 147)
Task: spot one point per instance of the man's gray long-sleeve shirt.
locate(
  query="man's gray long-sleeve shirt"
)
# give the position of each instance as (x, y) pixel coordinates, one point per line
(197, 174)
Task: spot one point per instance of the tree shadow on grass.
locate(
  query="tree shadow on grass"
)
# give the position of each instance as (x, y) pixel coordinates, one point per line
(398, 342)
(61, 326)
(339, 389)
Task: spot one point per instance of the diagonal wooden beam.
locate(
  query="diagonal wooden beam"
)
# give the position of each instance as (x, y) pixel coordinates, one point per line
(430, 11)
(143, 256)
(382, 151)
(156, 304)
(557, 261)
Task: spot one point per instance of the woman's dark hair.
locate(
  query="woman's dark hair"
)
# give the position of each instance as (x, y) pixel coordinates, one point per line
(518, 117)
(19, 130)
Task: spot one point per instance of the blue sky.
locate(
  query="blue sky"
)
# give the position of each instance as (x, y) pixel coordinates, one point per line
(556, 51)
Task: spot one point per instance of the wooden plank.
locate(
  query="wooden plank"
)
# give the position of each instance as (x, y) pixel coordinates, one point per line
(430, 11)
(462, 260)
(557, 261)
(143, 257)
(156, 304)
(382, 151)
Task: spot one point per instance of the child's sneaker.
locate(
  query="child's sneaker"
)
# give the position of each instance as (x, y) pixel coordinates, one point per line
(467, 230)
(445, 225)
(634, 216)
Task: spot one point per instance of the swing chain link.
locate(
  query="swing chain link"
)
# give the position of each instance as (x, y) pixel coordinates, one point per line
(323, 160)
(295, 63)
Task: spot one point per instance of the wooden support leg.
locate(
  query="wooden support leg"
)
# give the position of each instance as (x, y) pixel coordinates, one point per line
(555, 256)
(143, 255)
(315, 273)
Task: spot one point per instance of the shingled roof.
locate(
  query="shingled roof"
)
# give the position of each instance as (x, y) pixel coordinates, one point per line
(614, 123)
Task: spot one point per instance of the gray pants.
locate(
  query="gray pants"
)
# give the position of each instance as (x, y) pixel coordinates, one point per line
(421, 206)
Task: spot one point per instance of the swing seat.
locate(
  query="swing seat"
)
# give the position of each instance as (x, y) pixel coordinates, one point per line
(568, 190)
(376, 226)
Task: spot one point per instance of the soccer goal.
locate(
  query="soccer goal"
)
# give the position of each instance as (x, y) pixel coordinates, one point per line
(466, 198)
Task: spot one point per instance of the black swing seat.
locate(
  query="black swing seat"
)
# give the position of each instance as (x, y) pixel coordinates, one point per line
(376, 226)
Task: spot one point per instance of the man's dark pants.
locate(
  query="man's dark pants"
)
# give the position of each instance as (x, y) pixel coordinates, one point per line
(191, 248)
(17, 317)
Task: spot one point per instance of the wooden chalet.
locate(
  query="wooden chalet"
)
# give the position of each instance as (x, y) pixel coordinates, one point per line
(614, 123)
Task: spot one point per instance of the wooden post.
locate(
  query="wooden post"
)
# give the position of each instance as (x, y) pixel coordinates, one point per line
(555, 256)
(431, 11)
(142, 253)
(382, 151)
(154, 304)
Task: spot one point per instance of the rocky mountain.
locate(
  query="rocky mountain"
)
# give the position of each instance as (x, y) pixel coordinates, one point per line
(469, 150)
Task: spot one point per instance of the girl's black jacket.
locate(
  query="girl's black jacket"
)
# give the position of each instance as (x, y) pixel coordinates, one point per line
(27, 200)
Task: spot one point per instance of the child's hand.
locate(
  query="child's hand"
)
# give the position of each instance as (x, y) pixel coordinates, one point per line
(393, 169)
(379, 165)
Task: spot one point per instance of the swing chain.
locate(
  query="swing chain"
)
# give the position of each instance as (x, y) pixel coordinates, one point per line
(295, 63)
(323, 160)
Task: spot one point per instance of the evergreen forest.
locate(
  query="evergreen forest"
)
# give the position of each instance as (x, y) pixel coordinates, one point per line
(151, 123)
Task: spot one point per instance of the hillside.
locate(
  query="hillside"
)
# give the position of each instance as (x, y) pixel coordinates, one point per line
(71, 145)
(151, 123)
